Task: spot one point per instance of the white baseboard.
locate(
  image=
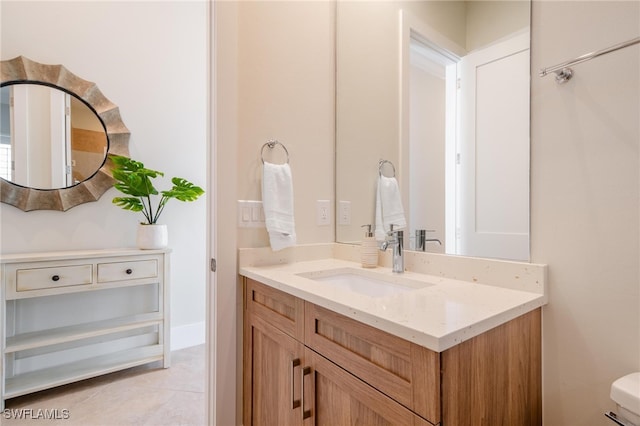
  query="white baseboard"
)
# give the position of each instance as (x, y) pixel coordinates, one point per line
(188, 335)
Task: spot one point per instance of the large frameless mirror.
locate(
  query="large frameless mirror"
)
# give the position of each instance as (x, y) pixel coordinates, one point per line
(441, 90)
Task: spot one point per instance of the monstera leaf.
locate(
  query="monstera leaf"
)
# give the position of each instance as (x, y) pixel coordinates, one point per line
(183, 190)
(134, 180)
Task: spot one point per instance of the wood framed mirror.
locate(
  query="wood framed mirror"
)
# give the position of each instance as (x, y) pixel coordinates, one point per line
(20, 71)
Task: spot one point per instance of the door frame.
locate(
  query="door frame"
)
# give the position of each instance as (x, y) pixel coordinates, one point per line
(224, 294)
(411, 27)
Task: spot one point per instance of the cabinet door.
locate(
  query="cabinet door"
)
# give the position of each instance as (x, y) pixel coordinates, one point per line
(404, 371)
(272, 369)
(334, 397)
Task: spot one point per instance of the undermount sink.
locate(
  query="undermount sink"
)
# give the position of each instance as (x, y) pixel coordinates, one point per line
(369, 284)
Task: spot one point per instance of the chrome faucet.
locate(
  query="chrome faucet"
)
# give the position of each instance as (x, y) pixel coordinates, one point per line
(396, 241)
(422, 240)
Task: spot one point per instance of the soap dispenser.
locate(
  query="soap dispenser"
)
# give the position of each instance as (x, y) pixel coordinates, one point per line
(369, 249)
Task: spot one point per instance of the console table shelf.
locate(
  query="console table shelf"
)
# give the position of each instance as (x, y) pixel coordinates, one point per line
(80, 331)
(85, 369)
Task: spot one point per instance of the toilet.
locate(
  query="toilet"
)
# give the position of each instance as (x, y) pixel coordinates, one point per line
(625, 392)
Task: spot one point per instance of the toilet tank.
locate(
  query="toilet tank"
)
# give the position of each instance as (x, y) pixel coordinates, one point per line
(625, 392)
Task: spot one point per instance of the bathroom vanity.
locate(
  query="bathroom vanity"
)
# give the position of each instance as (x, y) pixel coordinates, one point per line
(68, 316)
(445, 351)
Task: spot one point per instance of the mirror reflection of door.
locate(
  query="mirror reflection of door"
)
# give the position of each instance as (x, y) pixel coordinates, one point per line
(6, 169)
(469, 145)
(494, 151)
(39, 140)
(50, 139)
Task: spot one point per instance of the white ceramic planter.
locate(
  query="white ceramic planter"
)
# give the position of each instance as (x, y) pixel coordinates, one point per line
(152, 236)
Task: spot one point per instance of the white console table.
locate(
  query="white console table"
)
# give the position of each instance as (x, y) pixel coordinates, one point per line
(69, 316)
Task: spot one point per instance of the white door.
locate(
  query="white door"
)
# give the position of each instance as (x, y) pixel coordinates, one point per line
(493, 213)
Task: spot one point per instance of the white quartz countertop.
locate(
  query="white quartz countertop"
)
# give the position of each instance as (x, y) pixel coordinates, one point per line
(439, 316)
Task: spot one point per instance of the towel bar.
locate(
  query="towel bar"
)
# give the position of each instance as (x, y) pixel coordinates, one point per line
(381, 164)
(271, 144)
(564, 73)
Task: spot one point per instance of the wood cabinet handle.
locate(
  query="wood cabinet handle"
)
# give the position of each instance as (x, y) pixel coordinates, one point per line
(305, 413)
(294, 363)
(129, 271)
(55, 278)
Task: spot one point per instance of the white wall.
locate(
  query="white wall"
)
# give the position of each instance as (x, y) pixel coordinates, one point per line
(286, 92)
(150, 59)
(504, 17)
(274, 79)
(585, 204)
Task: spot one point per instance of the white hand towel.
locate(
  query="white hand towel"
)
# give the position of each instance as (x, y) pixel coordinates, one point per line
(277, 201)
(389, 209)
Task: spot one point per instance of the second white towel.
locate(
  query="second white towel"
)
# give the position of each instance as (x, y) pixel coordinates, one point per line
(389, 209)
(277, 201)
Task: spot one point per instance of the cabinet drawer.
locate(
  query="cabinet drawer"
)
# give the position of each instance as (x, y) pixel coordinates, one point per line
(282, 310)
(59, 276)
(406, 372)
(121, 271)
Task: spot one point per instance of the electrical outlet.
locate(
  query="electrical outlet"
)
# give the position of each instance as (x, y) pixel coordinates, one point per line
(344, 213)
(323, 212)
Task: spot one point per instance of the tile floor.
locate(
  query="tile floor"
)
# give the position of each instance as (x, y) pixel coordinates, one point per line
(145, 395)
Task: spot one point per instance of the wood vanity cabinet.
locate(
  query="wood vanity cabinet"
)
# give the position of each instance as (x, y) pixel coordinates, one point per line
(304, 364)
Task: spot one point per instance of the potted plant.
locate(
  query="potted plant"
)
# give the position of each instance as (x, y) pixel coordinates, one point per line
(134, 180)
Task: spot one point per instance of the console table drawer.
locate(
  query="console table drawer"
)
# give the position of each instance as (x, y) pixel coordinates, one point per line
(121, 271)
(59, 276)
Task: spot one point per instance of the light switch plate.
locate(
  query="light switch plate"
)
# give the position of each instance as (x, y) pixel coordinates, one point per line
(250, 214)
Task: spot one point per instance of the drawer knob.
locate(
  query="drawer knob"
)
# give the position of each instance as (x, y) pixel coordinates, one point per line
(56, 278)
(129, 271)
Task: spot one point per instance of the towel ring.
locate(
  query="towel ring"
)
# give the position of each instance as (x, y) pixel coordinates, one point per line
(271, 144)
(381, 164)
